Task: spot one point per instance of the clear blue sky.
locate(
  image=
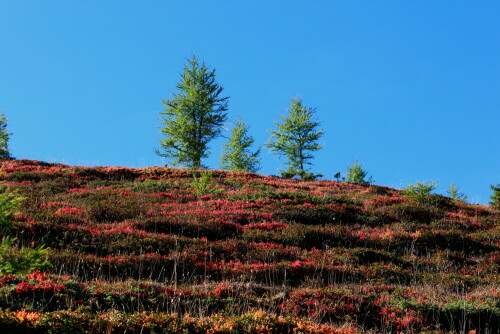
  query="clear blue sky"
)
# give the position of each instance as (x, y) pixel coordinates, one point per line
(411, 89)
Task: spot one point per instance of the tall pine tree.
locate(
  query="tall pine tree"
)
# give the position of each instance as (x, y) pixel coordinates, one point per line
(193, 117)
(295, 138)
(237, 155)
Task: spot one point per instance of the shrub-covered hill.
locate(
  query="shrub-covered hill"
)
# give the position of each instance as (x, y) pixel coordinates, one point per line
(156, 250)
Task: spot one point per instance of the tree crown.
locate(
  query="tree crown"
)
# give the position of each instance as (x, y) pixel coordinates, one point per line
(356, 174)
(454, 193)
(296, 137)
(237, 155)
(193, 116)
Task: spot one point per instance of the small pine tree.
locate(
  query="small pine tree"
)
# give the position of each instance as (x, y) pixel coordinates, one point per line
(295, 138)
(203, 184)
(420, 191)
(455, 193)
(237, 156)
(356, 174)
(193, 117)
(4, 139)
(495, 197)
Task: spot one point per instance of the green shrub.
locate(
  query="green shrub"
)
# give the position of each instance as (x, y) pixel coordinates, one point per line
(203, 184)
(356, 174)
(15, 260)
(9, 204)
(420, 191)
(455, 193)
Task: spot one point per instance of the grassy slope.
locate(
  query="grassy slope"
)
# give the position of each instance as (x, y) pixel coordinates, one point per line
(136, 250)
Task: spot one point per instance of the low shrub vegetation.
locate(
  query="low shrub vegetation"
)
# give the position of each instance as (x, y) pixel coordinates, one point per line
(152, 250)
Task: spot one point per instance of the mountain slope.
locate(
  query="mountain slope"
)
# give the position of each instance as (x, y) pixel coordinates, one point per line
(151, 250)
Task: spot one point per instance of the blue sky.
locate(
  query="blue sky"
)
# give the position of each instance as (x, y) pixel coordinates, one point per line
(411, 89)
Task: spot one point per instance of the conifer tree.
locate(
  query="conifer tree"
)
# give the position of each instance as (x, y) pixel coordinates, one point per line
(495, 198)
(420, 192)
(296, 137)
(356, 174)
(237, 155)
(4, 139)
(454, 193)
(193, 117)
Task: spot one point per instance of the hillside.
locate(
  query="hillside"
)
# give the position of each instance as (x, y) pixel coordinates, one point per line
(149, 251)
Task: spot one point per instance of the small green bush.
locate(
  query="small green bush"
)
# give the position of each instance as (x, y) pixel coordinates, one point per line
(420, 191)
(9, 204)
(23, 260)
(203, 184)
(356, 174)
(454, 193)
